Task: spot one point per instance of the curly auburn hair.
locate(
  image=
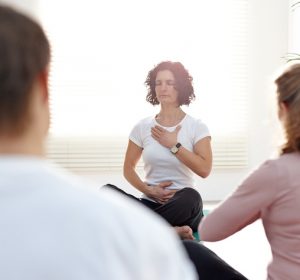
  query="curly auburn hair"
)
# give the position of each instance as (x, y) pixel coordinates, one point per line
(288, 92)
(183, 82)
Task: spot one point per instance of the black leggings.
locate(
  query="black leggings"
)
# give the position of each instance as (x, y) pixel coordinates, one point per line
(209, 266)
(184, 208)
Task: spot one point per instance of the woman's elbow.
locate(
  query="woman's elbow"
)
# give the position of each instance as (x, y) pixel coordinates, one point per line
(204, 172)
(205, 175)
(204, 167)
(208, 234)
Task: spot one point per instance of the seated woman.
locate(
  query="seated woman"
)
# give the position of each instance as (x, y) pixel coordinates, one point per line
(174, 146)
(270, 193)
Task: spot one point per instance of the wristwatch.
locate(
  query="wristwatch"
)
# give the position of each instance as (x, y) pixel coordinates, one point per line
(175, 148)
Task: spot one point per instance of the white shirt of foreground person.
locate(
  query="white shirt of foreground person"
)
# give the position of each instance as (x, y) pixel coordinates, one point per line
(54, 227)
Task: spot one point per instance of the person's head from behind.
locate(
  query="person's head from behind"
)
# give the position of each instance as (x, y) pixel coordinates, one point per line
(24, 59)
(169, 77)
(288, 96)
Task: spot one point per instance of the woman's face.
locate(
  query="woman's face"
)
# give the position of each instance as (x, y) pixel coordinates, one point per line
(165, 88)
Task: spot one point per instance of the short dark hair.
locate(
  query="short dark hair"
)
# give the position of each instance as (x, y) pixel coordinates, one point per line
(183, 82)
(24, 54)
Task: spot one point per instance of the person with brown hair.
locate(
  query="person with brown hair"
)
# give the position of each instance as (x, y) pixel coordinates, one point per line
(270, 193)
(174, 147)
(54, 225)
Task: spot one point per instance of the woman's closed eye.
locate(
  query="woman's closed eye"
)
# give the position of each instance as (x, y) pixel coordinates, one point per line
(167, 82)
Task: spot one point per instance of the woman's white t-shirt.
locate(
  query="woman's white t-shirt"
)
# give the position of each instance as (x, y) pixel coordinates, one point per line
(160, 164)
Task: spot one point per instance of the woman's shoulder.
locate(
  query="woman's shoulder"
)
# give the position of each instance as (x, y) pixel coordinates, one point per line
(194, 121)
(285, 160)
(142, 126)
(277, 170)
(196, 125)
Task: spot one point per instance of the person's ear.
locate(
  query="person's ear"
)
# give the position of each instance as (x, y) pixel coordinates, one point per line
(282, 110)
(43, 79)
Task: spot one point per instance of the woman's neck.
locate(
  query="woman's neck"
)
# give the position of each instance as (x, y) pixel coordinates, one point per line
(170, 116)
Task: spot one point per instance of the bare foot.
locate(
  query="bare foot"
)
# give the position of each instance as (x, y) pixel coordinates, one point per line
(185, 232)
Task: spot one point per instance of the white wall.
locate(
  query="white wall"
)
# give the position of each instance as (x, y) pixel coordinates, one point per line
(268, 44)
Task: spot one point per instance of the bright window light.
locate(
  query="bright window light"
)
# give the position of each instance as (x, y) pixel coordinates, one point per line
(102, 51)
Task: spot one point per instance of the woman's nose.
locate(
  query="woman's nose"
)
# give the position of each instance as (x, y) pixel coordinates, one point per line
(163, 86)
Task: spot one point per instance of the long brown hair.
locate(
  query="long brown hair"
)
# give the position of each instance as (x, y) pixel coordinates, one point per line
(288, 92)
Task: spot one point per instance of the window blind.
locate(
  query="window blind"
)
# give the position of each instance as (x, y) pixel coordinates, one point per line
(106, 155)
(101, 53)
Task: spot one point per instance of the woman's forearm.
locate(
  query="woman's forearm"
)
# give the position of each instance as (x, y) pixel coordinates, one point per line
(133, 178)
(198, 164)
